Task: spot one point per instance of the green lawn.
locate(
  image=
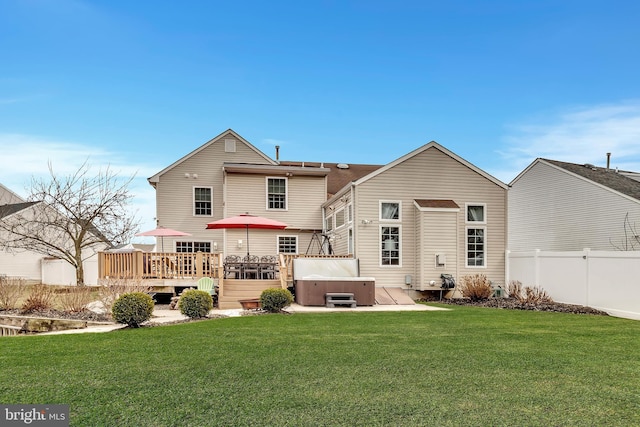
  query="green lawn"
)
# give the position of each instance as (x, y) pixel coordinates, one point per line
(468, 366)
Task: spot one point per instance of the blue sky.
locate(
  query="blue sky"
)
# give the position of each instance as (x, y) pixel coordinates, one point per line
(138, 84)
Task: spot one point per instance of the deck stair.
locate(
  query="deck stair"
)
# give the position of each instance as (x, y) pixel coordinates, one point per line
(235, 290)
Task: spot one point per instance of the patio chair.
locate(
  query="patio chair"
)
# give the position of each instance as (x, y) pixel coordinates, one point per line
(251, 268)
(232, 266)
(268, 267)
(207, 284)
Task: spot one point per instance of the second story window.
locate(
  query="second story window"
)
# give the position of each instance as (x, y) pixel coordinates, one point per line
(203, 201)
(389, 211)
(277, 193)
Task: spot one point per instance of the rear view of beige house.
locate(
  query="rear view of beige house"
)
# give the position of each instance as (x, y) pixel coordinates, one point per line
(425, 214)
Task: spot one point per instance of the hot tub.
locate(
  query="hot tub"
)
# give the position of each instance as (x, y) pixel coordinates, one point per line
(312, 290)
(314, 277)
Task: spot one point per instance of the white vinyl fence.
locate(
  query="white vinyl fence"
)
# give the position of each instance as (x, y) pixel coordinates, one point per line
(605, 280)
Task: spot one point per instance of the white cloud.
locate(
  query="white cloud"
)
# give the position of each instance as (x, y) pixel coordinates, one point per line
(578, 135)
(27, 156)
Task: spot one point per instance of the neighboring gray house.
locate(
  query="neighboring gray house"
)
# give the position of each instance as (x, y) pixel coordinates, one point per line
(560, 206)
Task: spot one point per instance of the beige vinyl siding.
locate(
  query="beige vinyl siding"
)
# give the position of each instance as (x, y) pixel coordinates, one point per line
(434, 231)
(248, 193)
(174, 191)
(551, 209)
(430, 174)
(340, 234)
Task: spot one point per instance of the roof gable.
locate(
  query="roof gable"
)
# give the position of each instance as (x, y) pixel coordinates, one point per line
(229, 132)
(432, 145)
(6, 210)
(8, 197)
(607, 178)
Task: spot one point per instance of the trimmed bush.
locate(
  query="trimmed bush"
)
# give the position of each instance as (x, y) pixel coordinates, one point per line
(274, 300)
(132, 309)
(195, 304)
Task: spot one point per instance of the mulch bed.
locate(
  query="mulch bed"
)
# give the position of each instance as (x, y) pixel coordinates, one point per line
(86, 315)
(514, 304)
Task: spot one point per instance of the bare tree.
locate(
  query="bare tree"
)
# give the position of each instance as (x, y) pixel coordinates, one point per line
(72, 217)
(631, 241)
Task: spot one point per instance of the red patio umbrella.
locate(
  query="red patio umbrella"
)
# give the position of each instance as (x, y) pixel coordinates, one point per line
(247, 221)
(162, 232)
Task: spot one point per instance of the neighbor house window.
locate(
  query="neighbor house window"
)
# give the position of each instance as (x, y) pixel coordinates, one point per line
(203, 201)
(350, 213)
(476, 246)
(389, 211)
(389, 245)
(276, 193)
(193, 246)
(287, 244)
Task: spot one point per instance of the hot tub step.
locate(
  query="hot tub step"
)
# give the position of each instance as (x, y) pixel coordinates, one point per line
(340, 298)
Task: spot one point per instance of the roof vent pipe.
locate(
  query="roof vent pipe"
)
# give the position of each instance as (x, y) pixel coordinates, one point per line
(608, 160)
(277, 153)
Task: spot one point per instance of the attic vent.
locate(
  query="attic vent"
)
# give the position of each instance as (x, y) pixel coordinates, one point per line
(342, 166)
(590, 166)
(229, 145)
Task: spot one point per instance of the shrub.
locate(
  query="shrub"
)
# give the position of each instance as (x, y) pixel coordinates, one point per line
(195, 304)
(40, 298)
(111, 290)
(274, 300)
(11, 289)
(75, 300)
(514, 289)
(476, 287)
(528, 295)
(132, 309)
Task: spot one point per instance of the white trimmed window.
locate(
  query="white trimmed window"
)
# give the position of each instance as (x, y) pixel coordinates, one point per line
(202, 201)
(476, 237)
(390, 245)
(276, 193)
(390, 210)
(340, 220)
(476, 246)
(193, 246)
(287, 244)
(350, 212)
(476, 213)
(328, 223)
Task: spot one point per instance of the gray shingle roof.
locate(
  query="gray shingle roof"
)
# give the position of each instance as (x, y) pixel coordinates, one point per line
(603, 176)
(6, 210)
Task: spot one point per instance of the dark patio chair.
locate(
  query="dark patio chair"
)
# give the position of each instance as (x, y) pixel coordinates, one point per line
(232, 267)
(268, 267)
(251, 267)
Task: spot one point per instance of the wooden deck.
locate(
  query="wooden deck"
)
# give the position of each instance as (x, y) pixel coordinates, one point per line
(236, 290)
(171, 272)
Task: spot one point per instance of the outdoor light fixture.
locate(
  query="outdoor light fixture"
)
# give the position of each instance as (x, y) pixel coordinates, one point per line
(366, 221)
(215, 246)
(239, 243)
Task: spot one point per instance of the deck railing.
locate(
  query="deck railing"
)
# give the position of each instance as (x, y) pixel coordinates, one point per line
(158, 265)
(182, 265)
